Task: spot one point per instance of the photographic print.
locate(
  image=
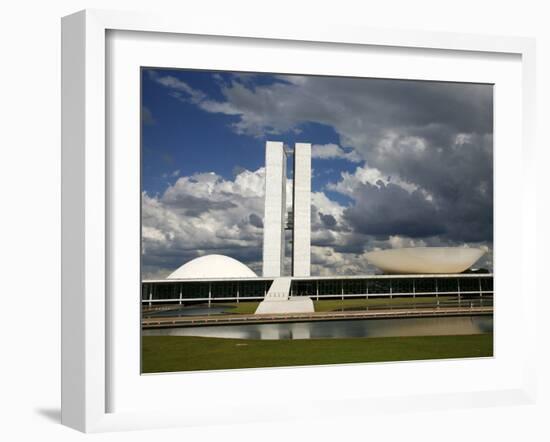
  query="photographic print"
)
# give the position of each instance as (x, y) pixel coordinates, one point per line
(298, 220)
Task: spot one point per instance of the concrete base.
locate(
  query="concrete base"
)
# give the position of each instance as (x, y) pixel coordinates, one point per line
(294, 304)
(278, 300)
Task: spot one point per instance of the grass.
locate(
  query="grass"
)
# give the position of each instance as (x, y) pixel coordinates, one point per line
(242, 308)
(183, 353)
(328, 305)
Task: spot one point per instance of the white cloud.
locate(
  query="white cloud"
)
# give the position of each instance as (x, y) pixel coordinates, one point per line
(178, 85)
(420, 136)
(363, 175)
(173, 174)
(325, 205)
(333, 151)
(398, 242)
(327, 262)
(203, 213)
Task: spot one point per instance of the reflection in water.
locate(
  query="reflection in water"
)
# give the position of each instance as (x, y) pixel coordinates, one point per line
(361, 328)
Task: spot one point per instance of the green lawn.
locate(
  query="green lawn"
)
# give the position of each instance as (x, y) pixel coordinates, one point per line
(328, 305)
(242, 308)
(178, 353)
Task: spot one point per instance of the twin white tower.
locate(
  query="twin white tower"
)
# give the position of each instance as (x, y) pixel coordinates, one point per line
(299, 219)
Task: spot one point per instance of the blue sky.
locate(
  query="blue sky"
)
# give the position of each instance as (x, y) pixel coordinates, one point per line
(183, 138)
(396, 163)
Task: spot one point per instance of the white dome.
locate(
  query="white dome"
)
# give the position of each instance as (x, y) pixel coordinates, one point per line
(212, 266)
(425, 260)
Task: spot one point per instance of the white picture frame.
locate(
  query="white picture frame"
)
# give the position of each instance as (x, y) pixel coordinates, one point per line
(86, 211)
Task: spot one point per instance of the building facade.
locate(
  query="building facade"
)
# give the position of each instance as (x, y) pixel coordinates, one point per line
(301, 210)
(462, 286)
(275, 211)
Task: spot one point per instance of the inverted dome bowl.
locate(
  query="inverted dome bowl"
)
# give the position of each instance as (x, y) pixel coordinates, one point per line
(425, 260)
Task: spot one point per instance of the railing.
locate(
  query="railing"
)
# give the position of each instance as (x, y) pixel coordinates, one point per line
(241, 298)
(323, 316)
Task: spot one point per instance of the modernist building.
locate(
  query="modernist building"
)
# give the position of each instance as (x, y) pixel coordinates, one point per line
(463, 286)
(425, 260)
(275, 211)
(424, 271)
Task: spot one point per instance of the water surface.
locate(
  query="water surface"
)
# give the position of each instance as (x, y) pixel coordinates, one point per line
(359, 328)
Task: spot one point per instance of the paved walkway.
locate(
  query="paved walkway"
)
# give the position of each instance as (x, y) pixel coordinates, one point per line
(322, 316)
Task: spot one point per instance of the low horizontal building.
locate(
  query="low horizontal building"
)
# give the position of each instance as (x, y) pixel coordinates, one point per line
(316, 287)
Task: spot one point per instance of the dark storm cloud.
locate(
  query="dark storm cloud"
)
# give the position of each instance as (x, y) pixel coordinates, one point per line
(328, 220)
(386, 210)
(461, 107)
(358, 109)
(160, 263)
(256, 220)
(434, 135)
(194, 206)
(355, 243)
(174, 257)
(459, 178)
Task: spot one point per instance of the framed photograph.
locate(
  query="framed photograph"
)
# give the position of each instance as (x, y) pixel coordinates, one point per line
(264, 209)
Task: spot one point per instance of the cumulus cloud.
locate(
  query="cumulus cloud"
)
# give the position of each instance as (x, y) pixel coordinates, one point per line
(172, 174)
(348, 182)
(256, 221)
(204, 213)
(180, 88)
(328, 221)
(386, 210)
(333, 151)
(424, 175)
(362, 112)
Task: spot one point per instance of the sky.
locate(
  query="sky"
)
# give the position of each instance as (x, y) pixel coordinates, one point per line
(395, 163)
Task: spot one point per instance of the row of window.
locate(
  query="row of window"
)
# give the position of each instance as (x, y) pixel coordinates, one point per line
(204, 290)
(402, 285)
(321, 287)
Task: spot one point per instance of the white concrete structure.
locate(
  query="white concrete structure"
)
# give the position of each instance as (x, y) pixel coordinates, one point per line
(425, 260)
(275, 209)
(301, 249)
(211, 267)
(277, 300)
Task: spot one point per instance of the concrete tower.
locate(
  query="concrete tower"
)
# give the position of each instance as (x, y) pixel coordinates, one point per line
(275, 209)
(301, 201)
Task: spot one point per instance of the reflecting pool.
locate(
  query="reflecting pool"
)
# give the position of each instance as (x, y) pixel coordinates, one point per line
(358, 328)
